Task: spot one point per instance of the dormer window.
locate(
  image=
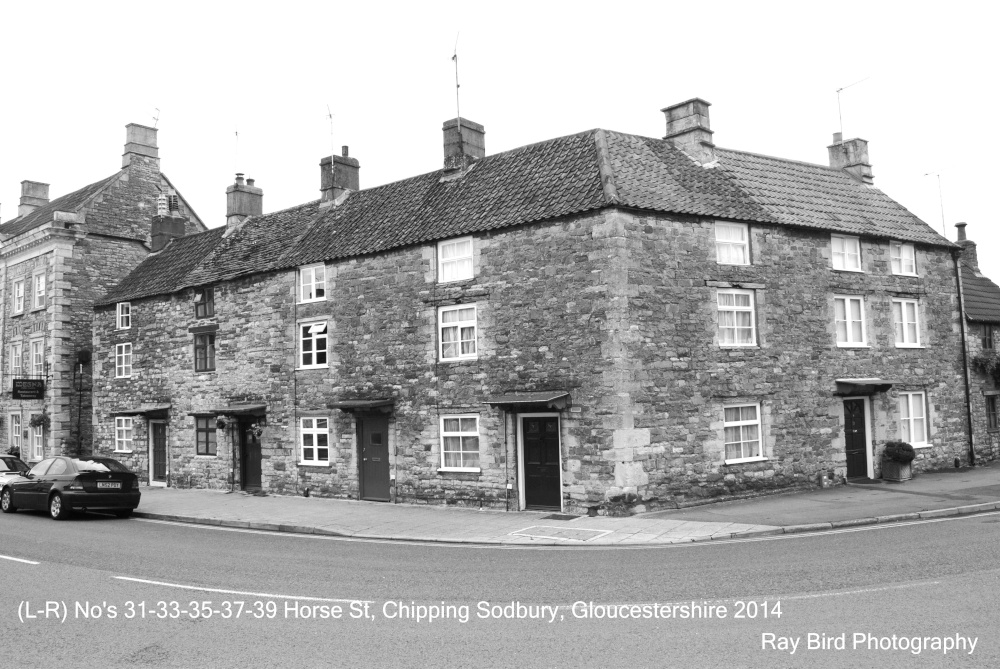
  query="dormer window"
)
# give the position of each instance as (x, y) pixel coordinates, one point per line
(312, 283)
(204, 302)
(846, 254)
(455, 260)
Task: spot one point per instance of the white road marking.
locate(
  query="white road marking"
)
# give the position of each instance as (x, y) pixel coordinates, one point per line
(577, 547)
(261, 595)
(14, 559)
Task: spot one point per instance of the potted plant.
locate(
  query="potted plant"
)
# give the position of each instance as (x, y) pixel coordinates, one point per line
(40, 420)
(896, 459)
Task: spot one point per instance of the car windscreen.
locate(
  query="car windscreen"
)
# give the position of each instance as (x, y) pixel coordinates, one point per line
(100, 465)
(12, 465)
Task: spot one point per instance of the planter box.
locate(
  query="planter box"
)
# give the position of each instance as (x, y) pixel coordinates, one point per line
(896, 471)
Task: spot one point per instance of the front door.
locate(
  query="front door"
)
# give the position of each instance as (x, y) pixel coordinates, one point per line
(250, 456)
(542, 465)
(855, 438)
(373, 444)
(158, 453)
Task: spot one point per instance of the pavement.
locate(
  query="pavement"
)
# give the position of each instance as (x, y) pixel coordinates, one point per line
(927, 495)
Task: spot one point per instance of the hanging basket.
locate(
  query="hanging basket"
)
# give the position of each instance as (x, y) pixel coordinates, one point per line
(40, 420)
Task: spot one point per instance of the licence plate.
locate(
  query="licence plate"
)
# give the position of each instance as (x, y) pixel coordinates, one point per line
(109, 484)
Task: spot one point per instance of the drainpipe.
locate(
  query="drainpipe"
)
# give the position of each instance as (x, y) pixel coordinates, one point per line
(955, 254)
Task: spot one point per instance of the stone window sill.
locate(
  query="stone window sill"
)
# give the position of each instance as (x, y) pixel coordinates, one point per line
(741, 461)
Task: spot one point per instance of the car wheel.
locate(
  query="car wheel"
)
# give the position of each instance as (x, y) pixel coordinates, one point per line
(123, 513)
(7, 501)
(57, 509)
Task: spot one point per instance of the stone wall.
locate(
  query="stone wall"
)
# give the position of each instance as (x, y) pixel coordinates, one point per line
(616, 308)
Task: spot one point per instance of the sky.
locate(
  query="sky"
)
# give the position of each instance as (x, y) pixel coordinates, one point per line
(250, 87)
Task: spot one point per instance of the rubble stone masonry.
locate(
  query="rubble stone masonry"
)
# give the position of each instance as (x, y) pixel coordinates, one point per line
(617, 308)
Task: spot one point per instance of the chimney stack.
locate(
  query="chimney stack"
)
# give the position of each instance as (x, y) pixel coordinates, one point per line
(242, 201)
(464, 143)
(970, 257)
(168, 224)
(689, 129)
(852, 156)
(33, 195)
(140, 141)
(338, 175)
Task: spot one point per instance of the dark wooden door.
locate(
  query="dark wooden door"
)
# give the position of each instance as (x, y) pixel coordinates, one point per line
(542, 484)
(159, 452)
(855, 438)
(250, 460)
(373, 442)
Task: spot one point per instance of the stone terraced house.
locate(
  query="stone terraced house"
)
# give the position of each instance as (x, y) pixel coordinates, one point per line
(981, 301)
(56, 258)
(594, 323)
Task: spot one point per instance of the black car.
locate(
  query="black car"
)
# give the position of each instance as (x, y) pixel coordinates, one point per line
(62, 485)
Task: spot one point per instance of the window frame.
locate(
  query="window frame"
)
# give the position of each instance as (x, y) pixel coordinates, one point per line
(17, 296)
(37, 292)
(903, 302)
(123, 316)
(458, 326)
(124, 434)
(457, 260)
(720, 243)
(16, 355)
(758, 422)
(313, 338)
(206, 362)
(910, 395)
(36, 438)
(37, 357)
(864, 326)
(736, 309)
(209, 447)
(15, 437)
(897, 258)
(204, 302)
(123, 355)
(461, 435)
(986, 337)
(315, 285)
(992, 409)
(846, 254)
(314, 431)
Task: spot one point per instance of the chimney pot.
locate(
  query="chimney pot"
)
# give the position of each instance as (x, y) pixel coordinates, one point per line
(140, 141)
(961, 231)
(464, 143)
(838, 137)
(689, 129)
(34, 194)
(343, 151)
(243, 200)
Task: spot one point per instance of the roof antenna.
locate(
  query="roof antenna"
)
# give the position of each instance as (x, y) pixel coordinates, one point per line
(839, 115)
(236, 149)
(156, 119)
(944, 230)
(458, 109)
(329, 115)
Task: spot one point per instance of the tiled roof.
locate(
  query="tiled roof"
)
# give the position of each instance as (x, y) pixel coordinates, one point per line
(42, 215)
(815, 196)
(982, 296)
(164, 272)
(559, 177)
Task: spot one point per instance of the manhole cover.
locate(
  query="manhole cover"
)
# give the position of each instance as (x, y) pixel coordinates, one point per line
(560, 533)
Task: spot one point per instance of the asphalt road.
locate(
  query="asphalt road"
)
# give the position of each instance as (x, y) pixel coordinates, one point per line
(135, 593)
